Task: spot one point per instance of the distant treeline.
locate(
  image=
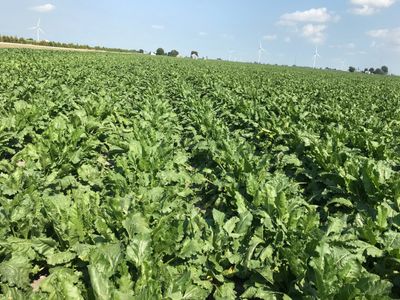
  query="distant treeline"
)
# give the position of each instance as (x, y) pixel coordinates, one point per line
(384, 70)
(18, 40)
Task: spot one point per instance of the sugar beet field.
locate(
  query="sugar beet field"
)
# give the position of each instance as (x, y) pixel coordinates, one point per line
(138, 177)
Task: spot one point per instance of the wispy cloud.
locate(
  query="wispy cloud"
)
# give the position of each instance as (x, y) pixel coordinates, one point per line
(379, 33)
(270, 37)
(202, 33)
(288, 39)
(370, 7)
(158, 27)
(44, 8)
(389, 37)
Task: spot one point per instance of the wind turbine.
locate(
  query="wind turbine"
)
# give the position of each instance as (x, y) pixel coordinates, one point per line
(316, 55)
(38, 30)
(260, 51)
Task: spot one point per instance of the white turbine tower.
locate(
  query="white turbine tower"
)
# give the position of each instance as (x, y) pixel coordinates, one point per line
(260, 51)
(38, 30)
(316, 56)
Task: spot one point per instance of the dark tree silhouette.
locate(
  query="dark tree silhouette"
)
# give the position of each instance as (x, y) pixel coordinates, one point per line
(379, 71)
(160, 51)
(173, 53)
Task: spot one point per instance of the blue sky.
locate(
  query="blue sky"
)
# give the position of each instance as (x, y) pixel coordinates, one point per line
(362, 33)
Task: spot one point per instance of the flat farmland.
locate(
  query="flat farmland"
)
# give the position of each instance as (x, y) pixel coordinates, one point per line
(139, 177)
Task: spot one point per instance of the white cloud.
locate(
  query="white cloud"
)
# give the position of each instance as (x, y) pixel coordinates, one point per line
(370, 7)
(44, 8)
(313, 15)
(202, 33)
(158, 27)
(270, 37)
(287, 39)
(379, 33)
(315, 20)
(314, 33)
(389, 38)
(375, 44)
(364, 10)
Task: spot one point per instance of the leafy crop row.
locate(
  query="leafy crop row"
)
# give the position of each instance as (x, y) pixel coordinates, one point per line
(132, 177)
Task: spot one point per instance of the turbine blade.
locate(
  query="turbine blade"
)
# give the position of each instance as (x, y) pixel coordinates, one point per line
(41, 30)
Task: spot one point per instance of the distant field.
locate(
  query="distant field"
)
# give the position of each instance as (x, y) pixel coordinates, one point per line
(138, 177)
(39, 47)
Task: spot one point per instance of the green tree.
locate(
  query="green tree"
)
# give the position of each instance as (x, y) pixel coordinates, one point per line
(160, 51)
(352, 69)
(372, 70)
(385, 69)
(379, 71)
(173, 53)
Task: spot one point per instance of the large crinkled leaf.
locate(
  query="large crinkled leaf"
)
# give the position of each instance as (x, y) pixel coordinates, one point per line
(89, 174)
(103, 262)
(263, 293)
(139, 249)
(16, 271)
(225, 291)
(135, 224)
(62, 283)
(60, 258)
(190, 247)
